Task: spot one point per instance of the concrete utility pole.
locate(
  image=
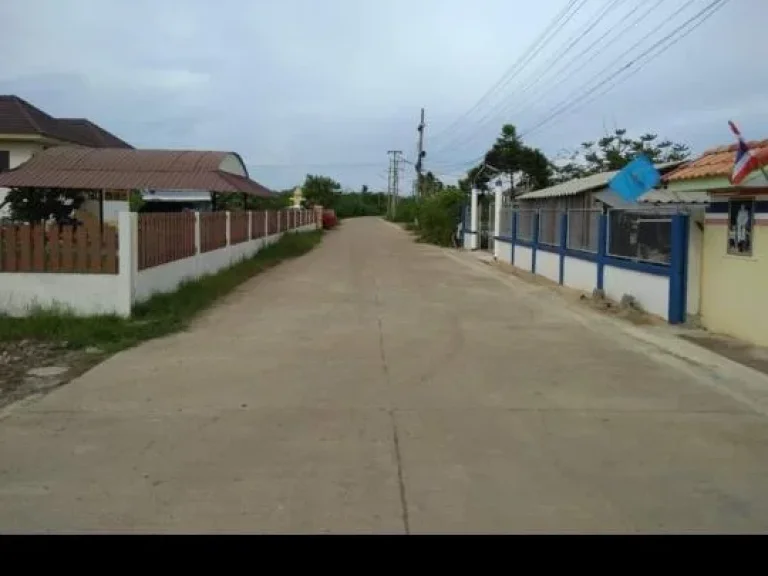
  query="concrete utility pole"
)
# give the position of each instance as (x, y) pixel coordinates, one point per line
(394, 180)
(420, 153)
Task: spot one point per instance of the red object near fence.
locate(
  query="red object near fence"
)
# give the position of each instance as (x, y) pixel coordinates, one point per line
(238, 227)
(213, 231)
(329, 219)
(165, 238)
(45, 247)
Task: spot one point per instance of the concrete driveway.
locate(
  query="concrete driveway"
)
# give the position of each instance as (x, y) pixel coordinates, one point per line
(381, 386)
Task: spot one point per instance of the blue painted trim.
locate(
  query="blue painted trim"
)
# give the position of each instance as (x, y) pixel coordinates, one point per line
(504, 239)
(581, 255)
(548, 248)
(563, 245)
(602, 237)
(524, 243)
(535, 241)
(677, 280)
(637, 266)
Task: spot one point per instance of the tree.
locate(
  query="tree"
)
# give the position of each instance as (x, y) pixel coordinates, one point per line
(429, 184)
(35, 204)
(510, 157)
(614, 151)
(321, 190)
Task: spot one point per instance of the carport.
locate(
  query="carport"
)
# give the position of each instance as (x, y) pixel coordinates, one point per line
(104, 169)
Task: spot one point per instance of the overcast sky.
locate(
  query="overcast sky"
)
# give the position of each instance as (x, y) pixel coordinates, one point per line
(328, 86)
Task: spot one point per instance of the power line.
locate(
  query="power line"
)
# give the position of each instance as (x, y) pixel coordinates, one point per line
(538, 73)
(650, 58)
(393, 181)
(567, 67)
(564, 106)
(541, 41)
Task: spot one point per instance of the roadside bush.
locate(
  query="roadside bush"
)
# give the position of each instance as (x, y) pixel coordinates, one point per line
(439, 216)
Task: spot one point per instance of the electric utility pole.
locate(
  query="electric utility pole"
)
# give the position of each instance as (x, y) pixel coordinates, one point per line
(394, 180)
(420, 153)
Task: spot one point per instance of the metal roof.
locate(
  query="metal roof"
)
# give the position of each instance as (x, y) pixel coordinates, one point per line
(581, 185)
(83, 168)
(665, 196)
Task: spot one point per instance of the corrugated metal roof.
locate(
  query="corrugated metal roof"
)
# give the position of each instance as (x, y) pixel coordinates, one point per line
(570, 188)
(664, 196)
(580, 185)
(116, 168)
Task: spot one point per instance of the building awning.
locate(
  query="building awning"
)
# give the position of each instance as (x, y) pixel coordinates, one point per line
(665, 196)
(80, 168)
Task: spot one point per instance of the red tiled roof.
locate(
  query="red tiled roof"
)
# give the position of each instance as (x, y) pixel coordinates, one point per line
(715, 163)
(77, 167)
(17, 116)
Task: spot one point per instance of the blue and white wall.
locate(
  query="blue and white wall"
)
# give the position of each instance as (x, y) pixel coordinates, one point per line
(661, 289)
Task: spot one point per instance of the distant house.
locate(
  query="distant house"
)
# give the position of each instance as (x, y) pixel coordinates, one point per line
(26, 130)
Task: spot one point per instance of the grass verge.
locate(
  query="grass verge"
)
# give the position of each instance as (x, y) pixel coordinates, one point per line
(161, 315)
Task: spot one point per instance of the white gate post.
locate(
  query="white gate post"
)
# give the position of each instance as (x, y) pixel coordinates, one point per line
(498, 195)
(474, 218)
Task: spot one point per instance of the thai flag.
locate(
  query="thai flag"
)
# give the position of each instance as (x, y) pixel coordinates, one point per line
(745, 161)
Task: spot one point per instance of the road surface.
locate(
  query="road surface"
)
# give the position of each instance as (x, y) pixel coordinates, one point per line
(377, 385)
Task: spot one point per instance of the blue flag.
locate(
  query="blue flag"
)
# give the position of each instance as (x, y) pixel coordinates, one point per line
(635, 179)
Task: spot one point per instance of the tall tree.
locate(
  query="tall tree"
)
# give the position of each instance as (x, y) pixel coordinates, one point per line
(616, 150)
(510, 156)
(321, 190)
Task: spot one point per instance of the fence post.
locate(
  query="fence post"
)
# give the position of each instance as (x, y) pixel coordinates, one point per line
(474, 216)
(563, 244)
(229, 227)
(514, 235)
(198, 235)
(249, 214)
(678, 270)
(535, 240)
(128, 261)
(602, 240)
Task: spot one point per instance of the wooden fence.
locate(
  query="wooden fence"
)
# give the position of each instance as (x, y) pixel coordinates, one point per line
(165, 238)
(238, 227)
(46, 247)
(273, 223)
(258, 225)
(213, 231)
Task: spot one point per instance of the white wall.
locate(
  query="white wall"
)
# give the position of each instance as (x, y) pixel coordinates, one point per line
(580, 274)
(503, 251)
(89, 294)
(81, 293)
(523, 258)
(470, 241)
(695, 253)
(548, 265)
(20, 152)
(651, 291)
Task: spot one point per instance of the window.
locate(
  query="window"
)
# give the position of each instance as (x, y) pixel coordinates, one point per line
(5, 160)
(741, 214)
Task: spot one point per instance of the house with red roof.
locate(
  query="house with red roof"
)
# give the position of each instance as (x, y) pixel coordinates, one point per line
(26, 130)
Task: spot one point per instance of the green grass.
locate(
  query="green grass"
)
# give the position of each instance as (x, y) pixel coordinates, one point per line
(161, 315)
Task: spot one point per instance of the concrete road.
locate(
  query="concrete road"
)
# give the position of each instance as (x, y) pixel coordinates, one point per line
(381, 386)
